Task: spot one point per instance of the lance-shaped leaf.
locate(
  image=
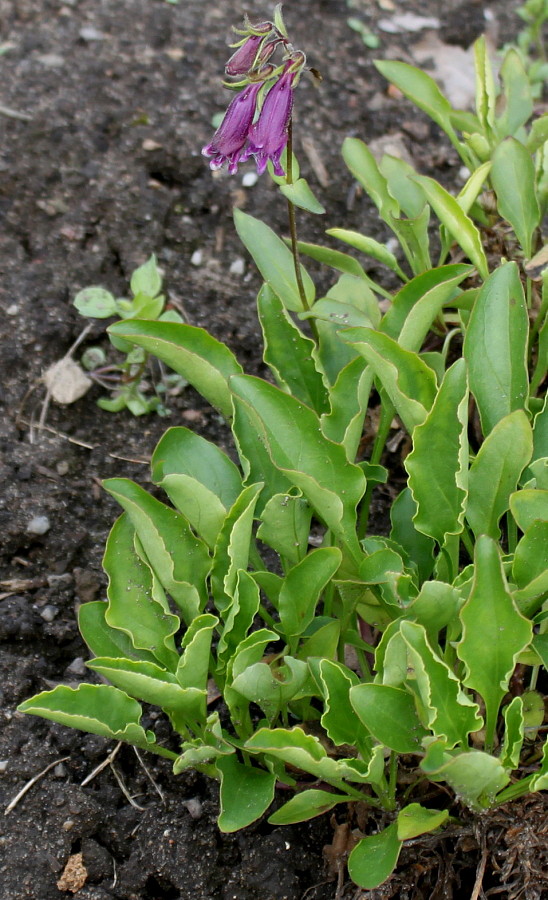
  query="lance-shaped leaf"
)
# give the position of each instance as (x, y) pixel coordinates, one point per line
(365, 169)
(348, 398)
(232, 548)
(495, 347)
(179, 559)
(495, 472)
(368, 246)
(306, 805)
(408, 381)
(485, 86)
(450, 713)
(193, 667)
(301, 195)
(514, 734)
(183, 452)
(418, 303)
(273, 260)
(104, 640)
(415, 819)
(418, 546)
(191, 352)
(96, 708)
(512, 166)
(201, 507)
(305, 751)
(296, 446)
(494, 632)
(246, 792)
(137, 607)
(147, 681)
(458, 224)
(389, 713)
(375, 857)
(302, 588)
(476, 777)
(530, 568)
(239, 616)
(289, 353)
(339, 719)
(438, 463)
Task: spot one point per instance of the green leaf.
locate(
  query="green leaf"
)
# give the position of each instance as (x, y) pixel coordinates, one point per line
(95, 302)
(183, 452)
(408, 381)
(306, 805)
(340, 261)
(191, 352)
(339, 719)
(435, 607)
(193, 668)
(179, 559)
(415, 819)
(137, 606)
(390, 715)
(239, 617)
(273, 260)
(201, 507)
(539, 782)
(518, 107)
(285, 525)
(538, 134)
(97, 708)
(246, 792)
(459, 225)
(398, 173)
(418, 303)
(494, 633)
(450, 713)
(291, 434)
(368, 246)
(302, 588)
(342, 315)
(528, 506)
(512, 166)
(103, 640)
(364, 167)
(476, 777)
(495, 472)
(233, 546)
(421, 89)
(375, 857)
(289, 353)
(495, 347)
(438, 463)
(272, 688)
(485, 87)
(300, 194)
(530, 568)
(513, 734)
(349, 399)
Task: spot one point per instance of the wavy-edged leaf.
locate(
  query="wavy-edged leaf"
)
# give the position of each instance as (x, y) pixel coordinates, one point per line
(232, 547)
(246, 792)
(179, 559)
(285, 525)
(302, 588)
(495, 347)
(476, 777)
(348, 398)
(389, 713)
(104, 640)
(190, 351)
(438, 463)
(495, 472)
(494, 632)
(528, 506)
(274, 261)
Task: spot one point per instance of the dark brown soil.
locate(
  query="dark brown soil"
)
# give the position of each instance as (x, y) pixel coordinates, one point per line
(104, 169)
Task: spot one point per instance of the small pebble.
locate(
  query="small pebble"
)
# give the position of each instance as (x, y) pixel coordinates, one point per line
(62, 467)
(194, 807)
(3, 766)
(89, 33)
(77, 666)
(48, 613)
(38, 525)
(237, 267)
(60, 770)
(12, 310)
(196, 258)
(249, 179)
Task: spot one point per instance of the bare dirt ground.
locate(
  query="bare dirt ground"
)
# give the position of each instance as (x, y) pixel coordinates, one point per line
(105, 105)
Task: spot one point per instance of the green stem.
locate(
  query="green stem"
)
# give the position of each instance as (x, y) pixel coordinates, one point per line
(393, 778)
(512, 532)
(468, 542)
(293, 219)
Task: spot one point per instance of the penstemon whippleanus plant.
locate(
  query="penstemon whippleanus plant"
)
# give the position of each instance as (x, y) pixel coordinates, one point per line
(353, 667)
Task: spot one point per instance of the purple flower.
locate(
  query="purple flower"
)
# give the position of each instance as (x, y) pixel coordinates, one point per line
(268, 136)
(228, 142)
(253, 53)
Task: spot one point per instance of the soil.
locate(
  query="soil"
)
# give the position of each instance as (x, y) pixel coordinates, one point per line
(104, 108)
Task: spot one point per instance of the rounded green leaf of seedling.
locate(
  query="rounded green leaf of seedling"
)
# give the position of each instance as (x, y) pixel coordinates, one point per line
(95, 302)
(416, 819)
(375, 857)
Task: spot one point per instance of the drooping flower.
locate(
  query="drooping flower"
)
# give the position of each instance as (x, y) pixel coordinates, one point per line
(229, 141)
(268, 136)
(254, 51)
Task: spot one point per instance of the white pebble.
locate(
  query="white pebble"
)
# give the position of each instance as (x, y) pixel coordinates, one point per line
(12, 310)
(249, 179)
(237, 267)
(48, 613)
(3, 766)
(196, 258)
(38, 525)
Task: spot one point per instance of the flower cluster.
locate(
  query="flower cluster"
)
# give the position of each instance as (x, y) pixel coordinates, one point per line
(257, 120)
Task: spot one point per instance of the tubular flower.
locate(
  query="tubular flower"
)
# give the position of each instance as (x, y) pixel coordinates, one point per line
(228, 142)
(268, 136)
(253, 53)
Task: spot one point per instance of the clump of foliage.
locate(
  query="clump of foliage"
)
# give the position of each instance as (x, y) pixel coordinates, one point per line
(129, 379)
(354, 658)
